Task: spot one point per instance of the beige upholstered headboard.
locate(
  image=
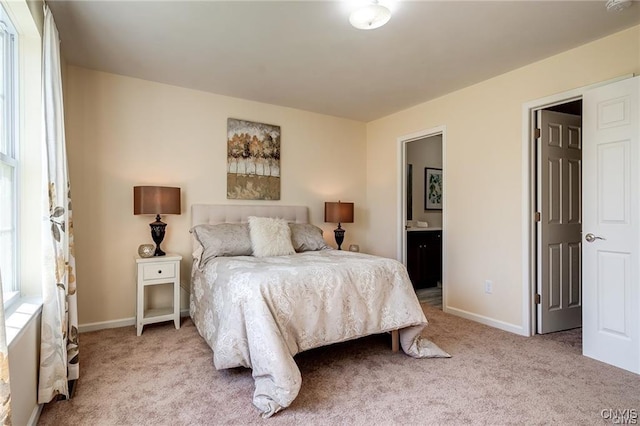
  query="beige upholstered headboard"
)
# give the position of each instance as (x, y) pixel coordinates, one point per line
(229, 213)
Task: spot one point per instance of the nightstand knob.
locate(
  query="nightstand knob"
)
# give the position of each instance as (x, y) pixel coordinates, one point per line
(159, 271)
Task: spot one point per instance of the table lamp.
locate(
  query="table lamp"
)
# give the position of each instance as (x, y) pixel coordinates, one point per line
(156, 200)
(341, 213)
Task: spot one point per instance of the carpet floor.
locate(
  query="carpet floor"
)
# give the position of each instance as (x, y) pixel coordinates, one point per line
(166, 377)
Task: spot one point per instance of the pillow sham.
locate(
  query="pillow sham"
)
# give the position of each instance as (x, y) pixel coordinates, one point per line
(222, 239)
(270, 236)
(307, 237)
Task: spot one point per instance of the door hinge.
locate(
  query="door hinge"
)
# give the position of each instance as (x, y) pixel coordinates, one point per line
(537, 217)
(537, 133)
(537, 299)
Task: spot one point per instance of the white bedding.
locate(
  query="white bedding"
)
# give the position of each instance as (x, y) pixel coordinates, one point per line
(259, 312)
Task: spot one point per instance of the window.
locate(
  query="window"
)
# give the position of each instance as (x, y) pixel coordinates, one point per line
(9, 161)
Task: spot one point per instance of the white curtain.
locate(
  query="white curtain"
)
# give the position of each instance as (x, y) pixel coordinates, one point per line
(59, 340)
(5, 388)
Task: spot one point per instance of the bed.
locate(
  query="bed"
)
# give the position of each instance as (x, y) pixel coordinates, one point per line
(258, 310)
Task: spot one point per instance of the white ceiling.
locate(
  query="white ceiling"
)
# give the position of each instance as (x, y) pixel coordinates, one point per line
(304, 54)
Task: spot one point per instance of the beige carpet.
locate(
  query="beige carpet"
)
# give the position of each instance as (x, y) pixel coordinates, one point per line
(166, 377)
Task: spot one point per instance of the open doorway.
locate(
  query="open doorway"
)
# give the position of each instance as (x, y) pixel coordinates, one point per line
(557, 178)
(421, 213)
(609, 202)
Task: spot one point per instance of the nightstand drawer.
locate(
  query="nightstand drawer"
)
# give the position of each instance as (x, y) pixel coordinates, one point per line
(158, 270)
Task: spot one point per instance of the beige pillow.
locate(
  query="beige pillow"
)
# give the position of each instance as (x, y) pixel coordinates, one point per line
(223, 239)
(307, 237)
(270, 236)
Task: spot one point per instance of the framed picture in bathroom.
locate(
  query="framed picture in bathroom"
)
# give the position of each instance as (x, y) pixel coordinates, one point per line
(432, 189)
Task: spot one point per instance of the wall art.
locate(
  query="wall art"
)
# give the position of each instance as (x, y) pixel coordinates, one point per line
(432, 189)
(253, 160)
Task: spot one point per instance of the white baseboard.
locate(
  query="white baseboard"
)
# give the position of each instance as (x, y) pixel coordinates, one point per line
(512, 328)
(125, 322)
(103, 325)
(35, 415)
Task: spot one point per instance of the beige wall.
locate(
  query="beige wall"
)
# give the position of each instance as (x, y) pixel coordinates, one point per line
(123, 132)
(483, 171)
(424, 153)
(24, 366)
(37, 11)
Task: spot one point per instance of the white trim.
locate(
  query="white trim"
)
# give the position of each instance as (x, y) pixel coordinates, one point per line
(124, 322)
(103, 325)
(402, 202)
(35, 415)
(528, 286)
(18, 317)
(12, 115)
(512, 328)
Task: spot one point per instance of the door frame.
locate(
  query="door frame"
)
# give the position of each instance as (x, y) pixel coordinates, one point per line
(529, 264)
(402, 196)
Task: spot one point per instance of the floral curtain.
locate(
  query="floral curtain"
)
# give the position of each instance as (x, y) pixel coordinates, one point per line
(5, 389)
(59, 336)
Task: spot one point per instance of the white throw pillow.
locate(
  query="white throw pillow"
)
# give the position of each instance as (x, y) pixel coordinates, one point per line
(270, 236)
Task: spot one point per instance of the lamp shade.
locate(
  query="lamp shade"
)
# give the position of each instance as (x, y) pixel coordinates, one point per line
(156, 200)
(338, 212)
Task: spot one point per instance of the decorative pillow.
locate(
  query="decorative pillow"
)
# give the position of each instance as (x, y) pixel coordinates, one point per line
(270, 236)
(306, 237)
(223, 239)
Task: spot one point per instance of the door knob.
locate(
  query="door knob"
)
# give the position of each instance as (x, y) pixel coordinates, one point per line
(591, 238)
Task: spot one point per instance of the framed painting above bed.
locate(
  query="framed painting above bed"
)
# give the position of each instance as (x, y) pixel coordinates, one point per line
(253, 160)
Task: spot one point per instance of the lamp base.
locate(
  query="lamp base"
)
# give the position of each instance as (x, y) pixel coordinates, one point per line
(339, 233)
(157, 233)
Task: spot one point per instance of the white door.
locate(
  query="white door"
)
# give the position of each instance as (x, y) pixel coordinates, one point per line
(611, 224)
(558, 238)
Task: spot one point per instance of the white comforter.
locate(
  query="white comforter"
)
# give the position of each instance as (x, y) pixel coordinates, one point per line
(260, 312)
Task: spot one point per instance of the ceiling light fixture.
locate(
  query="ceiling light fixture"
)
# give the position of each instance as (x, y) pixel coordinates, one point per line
(370, 16)
(618, 5)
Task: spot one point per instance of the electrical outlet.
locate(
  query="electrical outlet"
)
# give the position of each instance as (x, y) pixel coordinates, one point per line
(488, 287)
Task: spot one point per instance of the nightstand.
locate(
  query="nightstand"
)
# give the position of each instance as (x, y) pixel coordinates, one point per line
(154, 271)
